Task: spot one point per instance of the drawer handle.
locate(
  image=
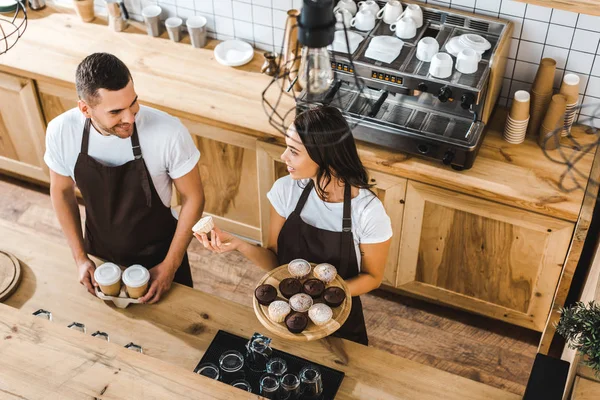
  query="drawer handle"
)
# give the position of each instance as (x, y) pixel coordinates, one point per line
(101, 335)
(43, 314)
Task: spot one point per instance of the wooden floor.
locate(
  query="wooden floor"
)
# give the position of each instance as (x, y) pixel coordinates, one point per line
(471, 346)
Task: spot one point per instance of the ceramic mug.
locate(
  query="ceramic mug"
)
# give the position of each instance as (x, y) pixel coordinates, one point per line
(467, 61)
(413, 11)
(405, 28)
(343, 18)
(349, 5)
(427, 48)
(370, 5)
(364, 20)
(390, 12)
(441, 65)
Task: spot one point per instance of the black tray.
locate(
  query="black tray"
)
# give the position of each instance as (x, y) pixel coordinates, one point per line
(223, 341)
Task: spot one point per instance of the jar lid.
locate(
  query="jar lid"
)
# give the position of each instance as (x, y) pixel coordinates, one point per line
(107, 274)
(136, 276)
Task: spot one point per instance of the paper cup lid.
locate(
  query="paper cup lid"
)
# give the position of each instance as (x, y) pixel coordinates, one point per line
(151, 11)
(136, 276)
(173, 22)
(197, 21)
(107, 274)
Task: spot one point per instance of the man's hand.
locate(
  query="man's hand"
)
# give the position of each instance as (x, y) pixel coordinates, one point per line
(161, 278)
(85, 269)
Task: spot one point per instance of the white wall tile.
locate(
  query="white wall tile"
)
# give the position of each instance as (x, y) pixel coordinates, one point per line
(590, 106)
(511, 7)
(580, 62)
(505, 88)
(262, 15)
(279, 18)
(516, 86)
(510, 66)
(243, 1)
(538, 13)
(220, 36)
(512, 50)
(168, 10)
(534, 31)
(283, 4)
(589, 22)
(243, 30)
(525, 71)
(596, 68)
(263, 34)
(502, 101)
(518, 24)
(462, 8)
(488, 5)
(204, 6)
(224, 25)
(223, 8)
(560, 36)
(242, 11)
(464, 3)
(184, 13)
(278, 39)
(564, 17)
(593, 87)
(557, 53)
(531, 52)
(264, 3)
(298, 4)
(264, 46)
(189, 4)
(585, 41)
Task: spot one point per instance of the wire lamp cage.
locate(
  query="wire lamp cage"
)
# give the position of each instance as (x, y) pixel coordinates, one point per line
(305, 55)
(13, 23)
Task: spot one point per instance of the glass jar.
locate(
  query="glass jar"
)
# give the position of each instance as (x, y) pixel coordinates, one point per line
(209, 370)
(231, 363)
(311, 384)
(269, 386)
(289, 387)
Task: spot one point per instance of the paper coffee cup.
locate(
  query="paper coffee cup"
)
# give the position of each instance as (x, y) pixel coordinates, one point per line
(108, 277)
(544, 78)
(519, 110)
(136, 279)
(570, 88)
(556, 112)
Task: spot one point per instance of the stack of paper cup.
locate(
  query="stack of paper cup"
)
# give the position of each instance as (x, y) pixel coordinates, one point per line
(541, 94)
(553, 123)
(570, 89)
(518, 118)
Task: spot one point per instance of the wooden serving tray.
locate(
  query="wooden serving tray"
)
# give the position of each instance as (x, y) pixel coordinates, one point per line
(312, 331)
(10, 275)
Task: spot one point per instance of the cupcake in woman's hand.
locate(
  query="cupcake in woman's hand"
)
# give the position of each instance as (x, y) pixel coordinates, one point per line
(320, 314)
(265, 294)
(301, 302)
(278, 310)
(299, 268)
(325, 272)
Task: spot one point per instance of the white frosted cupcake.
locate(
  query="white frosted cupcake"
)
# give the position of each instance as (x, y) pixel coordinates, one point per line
(278, 310)
(205, 225)
(301, 302)
(325, 272)
(320, 314)
(299, 268)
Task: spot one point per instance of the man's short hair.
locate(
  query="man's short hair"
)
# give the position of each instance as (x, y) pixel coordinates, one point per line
(100, 71)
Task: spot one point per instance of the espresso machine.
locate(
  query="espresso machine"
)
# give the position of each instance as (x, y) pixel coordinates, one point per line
(402, 107)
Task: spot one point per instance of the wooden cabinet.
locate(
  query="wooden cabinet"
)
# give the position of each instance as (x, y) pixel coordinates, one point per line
(481, 256)
(389, 189)
(590, 7)
(22, 129)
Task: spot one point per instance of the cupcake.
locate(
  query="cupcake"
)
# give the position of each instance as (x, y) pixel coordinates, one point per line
(205, 225)
(301, 302)
(265, 294)
(314, 288)
(278, 310)
(334, 296)
(296, 322)
(320, 314)
(299, 268)
(289, 287)
(325, 272)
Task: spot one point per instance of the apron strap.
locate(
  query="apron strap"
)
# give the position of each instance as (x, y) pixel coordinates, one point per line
(304, 197)
(346, 230)
(86, 136)
(135, 144)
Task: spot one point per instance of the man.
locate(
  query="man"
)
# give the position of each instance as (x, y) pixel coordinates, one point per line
(123, 157)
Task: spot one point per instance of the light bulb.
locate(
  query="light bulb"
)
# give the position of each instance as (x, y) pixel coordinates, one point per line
(315, 74)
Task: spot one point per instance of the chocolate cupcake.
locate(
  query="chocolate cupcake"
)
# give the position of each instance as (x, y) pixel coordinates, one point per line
(334, 296)
(289, 287)
(314, 288)
(265, 294)
(296, 322)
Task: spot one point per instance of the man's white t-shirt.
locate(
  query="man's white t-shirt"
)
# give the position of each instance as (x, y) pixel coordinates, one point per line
(370, 222)
(167, 147)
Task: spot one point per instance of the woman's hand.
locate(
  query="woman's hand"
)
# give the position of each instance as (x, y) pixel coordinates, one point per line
(219, 242)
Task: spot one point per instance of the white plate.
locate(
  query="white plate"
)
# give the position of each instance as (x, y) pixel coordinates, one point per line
(383, 56)
(455, 46)
(339, 42)
(233, 53)
(476, 42)
(386, 43)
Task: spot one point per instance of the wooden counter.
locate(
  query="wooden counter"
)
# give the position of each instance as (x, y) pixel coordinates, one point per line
(189, 83)
(179, 328)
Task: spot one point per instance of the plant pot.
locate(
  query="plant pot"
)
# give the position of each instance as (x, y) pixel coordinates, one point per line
(85, 9)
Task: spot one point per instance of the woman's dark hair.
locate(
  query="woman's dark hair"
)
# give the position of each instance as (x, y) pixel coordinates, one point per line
(100, 71)
(329, 143)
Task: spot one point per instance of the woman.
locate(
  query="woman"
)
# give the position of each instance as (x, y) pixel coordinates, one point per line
(323, 212)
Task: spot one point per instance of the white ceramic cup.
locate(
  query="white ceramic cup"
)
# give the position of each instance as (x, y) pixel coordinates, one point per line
(349, 5)
(441, 65)
(467, 61)
(364, 20)
(173, 26)
(343, 18)
(370, 5)
(390, 12)
(151, 16)
(413, 11)
(427, 48)
(405, 28)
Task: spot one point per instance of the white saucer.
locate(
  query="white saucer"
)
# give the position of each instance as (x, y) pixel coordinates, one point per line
(233, 53)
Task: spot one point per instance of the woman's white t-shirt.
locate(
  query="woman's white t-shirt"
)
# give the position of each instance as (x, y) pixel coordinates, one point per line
(370, 222)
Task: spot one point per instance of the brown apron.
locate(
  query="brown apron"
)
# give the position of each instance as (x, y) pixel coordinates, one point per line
(126, 221)
(298, 239)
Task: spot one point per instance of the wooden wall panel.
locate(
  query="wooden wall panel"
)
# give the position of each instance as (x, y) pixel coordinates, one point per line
(53, 106)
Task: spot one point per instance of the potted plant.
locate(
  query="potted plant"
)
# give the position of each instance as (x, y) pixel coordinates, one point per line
(85, 9)
(580, 326)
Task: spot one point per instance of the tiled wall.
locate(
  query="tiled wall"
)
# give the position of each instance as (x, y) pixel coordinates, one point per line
(570, 38)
